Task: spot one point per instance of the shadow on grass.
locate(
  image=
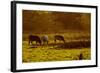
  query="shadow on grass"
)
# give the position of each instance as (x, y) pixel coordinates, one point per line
(66, 45)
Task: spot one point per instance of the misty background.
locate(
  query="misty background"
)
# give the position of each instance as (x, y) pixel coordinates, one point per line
(55, 22)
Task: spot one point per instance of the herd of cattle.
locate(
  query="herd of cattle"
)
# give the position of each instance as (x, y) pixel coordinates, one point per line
(45, 39)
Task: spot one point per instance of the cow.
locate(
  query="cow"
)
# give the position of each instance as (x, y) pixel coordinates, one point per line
(59, 37)
(44, 39)
(34, 38)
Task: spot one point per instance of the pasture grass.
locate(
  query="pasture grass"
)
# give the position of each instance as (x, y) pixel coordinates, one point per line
(52, 53)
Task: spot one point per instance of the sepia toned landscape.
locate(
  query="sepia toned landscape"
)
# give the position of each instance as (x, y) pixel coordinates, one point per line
(55, 36)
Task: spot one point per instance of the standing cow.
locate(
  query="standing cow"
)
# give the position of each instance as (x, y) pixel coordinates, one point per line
(59, 37)
(44, 39)
(34, 38)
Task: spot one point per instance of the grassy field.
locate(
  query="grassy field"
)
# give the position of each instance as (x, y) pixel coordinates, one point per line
(36, 53)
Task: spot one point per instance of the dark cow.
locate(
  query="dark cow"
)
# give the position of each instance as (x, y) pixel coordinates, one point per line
(59, 37)
(34, 38)
(45, 39)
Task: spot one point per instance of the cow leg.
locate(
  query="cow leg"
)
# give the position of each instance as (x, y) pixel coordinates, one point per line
(29, 42)
(36, 42)
(55, 40)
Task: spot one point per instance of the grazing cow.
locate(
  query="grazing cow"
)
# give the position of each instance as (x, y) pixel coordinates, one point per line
(44, 39)
(59, 37)
(34, 38)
